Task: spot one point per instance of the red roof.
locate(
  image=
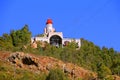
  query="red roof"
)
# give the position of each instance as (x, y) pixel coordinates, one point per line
(49, 21)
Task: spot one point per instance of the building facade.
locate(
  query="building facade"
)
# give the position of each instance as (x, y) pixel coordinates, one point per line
(54, 38)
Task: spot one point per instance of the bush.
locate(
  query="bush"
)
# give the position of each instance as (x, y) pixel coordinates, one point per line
(56, 74)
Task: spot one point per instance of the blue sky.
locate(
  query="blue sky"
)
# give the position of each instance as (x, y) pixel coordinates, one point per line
(95, 20)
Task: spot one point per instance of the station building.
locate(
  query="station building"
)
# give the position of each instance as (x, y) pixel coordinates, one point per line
(54, 38)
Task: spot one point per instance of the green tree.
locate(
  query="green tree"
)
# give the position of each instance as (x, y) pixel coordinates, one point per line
(6, 42)
(116, 65)
(72, 45)
(103, 71)
(56, 74)
(21, 37)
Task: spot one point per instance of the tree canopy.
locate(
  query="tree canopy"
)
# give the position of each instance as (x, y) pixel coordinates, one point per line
(16, 38)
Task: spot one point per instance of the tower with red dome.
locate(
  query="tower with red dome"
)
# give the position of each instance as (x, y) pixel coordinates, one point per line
(49, 27)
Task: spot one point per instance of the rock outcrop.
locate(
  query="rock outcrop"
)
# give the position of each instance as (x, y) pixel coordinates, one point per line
(44, 64)
(38, 64)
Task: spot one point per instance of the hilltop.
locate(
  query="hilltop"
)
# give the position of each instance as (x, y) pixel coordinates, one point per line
(91, 61)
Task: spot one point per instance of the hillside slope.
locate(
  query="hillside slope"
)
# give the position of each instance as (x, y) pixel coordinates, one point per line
(26, 66)
(38, 64)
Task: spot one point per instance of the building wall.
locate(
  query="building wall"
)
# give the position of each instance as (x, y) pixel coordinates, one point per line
(47, 39)
(39, 39)
(55, 33)
(78, 41)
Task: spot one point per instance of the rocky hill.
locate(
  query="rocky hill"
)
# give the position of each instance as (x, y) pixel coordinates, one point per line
(43, 64)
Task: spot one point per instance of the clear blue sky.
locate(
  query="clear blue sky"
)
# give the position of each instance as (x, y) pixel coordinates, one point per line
(95, 20)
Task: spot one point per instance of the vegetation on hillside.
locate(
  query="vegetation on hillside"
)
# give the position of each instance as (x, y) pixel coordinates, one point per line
(104, 61)
(10, 72)
(56, 74)
(16, 40)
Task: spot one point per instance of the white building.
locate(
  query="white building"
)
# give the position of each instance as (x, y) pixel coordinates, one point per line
(53, 37)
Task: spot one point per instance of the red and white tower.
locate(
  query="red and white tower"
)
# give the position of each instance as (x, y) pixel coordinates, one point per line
(49, 27)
